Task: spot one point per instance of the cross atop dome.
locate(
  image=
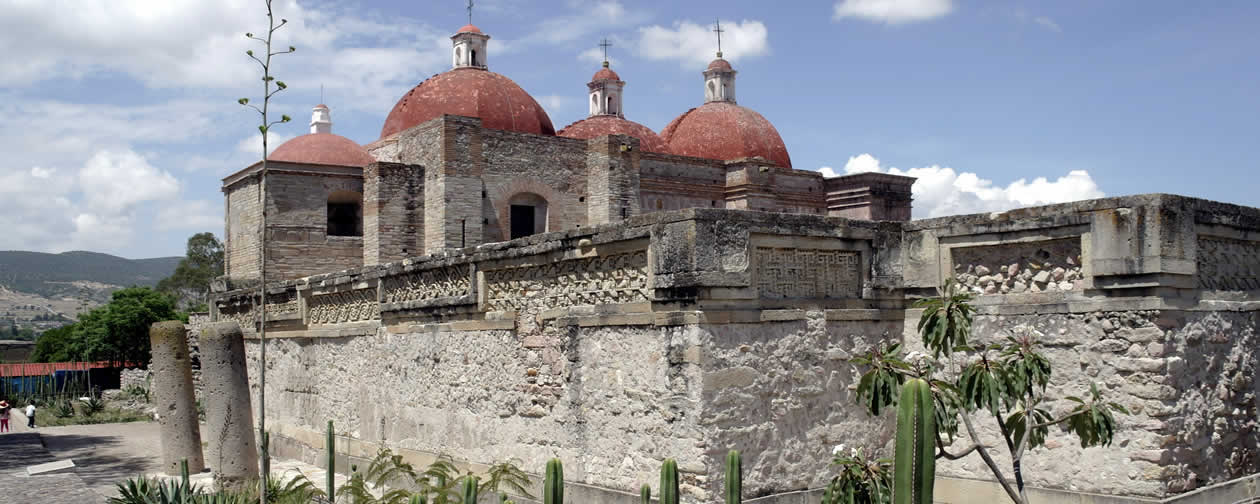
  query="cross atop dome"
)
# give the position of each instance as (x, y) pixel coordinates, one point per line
(719, 77)
(605, 88)
(469, 45)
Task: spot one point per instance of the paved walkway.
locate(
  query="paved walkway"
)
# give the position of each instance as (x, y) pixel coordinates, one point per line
(104, 454)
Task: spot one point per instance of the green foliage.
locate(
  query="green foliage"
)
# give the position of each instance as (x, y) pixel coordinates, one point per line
(877, 389)
(669, 482)
(142, 490)
(553, 483)
(507, 476)
(645, 494)
(914, 471)
(860, 481)
(470, 489)
(63, 409)
(202, 263)
(93, 405)
(734, 478)
(117, 332)
(1008, 380)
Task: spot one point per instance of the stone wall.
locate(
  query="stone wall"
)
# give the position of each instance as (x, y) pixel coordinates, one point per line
(686, 333)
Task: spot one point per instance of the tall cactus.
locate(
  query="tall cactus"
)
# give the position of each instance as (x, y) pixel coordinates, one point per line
(470, 489)
(669, 482)
(734, 477)
(914, 470)
(553, 484)
(330, 442)
(645, 494)
(415, 499)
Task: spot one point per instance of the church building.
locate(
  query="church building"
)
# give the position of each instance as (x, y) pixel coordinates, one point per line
(468, 157)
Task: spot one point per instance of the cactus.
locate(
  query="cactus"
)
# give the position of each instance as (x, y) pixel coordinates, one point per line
(415, 499)
(183, 472)
(669, 482)
(553, 485)
(266, 457)
(734, 478)
(470, 489)
(332, 463)
(645, 494)
(914, 470)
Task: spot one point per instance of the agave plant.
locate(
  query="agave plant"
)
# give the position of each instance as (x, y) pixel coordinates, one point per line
(93, 405)
(63, 409)
(137, 490)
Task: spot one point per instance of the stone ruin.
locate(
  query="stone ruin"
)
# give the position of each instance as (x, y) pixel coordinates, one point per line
(682, 334)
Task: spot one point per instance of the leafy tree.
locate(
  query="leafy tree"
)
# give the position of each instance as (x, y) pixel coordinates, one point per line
(202, 263)
(54, 345)
(117, 332)
(1006, 381)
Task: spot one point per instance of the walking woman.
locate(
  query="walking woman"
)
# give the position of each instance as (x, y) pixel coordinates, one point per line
(4, 415)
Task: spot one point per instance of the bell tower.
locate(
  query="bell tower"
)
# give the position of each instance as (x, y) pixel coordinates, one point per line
(469, 45)
(605, 89)
(719, 77)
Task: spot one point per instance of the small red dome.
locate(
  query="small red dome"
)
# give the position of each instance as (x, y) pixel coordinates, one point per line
(324, 149)
(719, 64)
(472, 92)
(606, 74)
(725, 131)
(600, 125)
(469, 29)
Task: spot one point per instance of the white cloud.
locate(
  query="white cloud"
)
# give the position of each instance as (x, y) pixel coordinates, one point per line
(694, 45)
(114, 182)
(556, 102)
(42, 173)
(941, 191)
(364, 61)
(1048, 23)
(585, 19)
(892, 11)
(252, 145)
(596, 55)
(196, 215)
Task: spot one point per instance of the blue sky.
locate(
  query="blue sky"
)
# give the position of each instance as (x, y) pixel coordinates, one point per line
(120, 117)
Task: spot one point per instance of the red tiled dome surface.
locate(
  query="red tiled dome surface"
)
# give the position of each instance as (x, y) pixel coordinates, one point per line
(606, 74)
(469, 29)
(601, 125)
(322, 148)
(719, 64)
(472, 92)
(723, 130)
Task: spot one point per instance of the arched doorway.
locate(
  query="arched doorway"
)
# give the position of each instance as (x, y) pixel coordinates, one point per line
(527, 215)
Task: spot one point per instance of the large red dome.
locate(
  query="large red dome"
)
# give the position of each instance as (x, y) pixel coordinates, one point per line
(724, 130)
(600, 125)
(322, 148)
(472, 92)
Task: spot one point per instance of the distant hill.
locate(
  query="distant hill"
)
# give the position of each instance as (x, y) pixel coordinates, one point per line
(79, 274)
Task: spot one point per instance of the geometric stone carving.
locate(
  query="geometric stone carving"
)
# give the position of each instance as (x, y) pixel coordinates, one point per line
(242, 313)
(345, 306)
(428, 284)
(617, 278)
(793, 273)
(1227, 264)
(284, 303)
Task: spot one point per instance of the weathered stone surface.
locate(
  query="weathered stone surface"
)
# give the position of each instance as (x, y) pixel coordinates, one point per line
(173, 395)
(231, 452)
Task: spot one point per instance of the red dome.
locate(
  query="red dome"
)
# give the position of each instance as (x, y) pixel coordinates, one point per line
(472, 92)
(600, 125)
(322, 148)
(723, 130)
(719, 64)
(606, 74)
(469, 29)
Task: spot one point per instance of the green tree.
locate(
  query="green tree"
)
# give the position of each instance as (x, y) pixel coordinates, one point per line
(190, 282)
(1005, 381)
(117, 332)
(54, 345)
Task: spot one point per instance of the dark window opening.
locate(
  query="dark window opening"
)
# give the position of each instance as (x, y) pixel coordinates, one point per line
(581, 199)
(472, 57)
(343, 219)
(522, 221)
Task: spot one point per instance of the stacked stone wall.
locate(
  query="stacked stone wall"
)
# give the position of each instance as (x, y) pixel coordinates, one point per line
(393, 212)
(242, 223)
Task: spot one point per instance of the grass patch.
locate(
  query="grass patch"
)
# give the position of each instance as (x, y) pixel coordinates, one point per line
(47, 416)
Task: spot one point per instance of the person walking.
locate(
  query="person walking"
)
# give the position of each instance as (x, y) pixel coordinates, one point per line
(4, 415)
(30, 414)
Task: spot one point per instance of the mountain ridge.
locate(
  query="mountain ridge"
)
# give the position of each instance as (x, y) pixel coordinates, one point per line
(65, 273)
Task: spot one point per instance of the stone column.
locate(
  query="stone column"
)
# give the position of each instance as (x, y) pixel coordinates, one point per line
(173, 391)
(232, 454)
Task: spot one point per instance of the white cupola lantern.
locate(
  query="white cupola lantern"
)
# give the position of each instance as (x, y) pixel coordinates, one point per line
(321, 119)
(469, 48)
(605, 93)
(719, 81)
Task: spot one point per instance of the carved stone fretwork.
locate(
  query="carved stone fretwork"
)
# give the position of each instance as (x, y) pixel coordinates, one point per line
(243, 313)
(345, 306)
(282, 304)
(808, 273)
(619, 278)
(428, 284)
(1228, 264)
